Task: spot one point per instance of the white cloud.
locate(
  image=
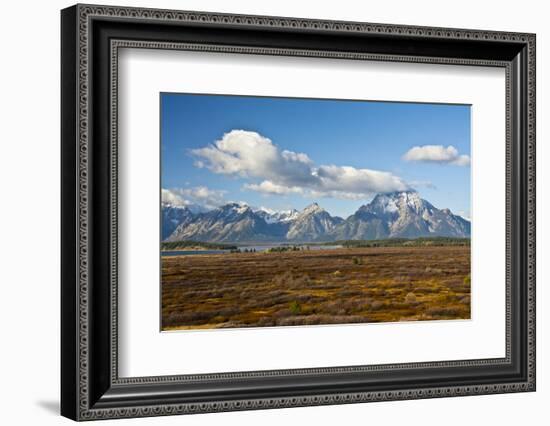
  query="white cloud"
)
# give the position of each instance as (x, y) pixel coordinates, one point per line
(250, 155)
(268, 187)
(350, 179)
(201, 195)
(437, 154)
(172, 197)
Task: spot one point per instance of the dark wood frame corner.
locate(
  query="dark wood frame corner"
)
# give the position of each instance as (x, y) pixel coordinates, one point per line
(91, 37)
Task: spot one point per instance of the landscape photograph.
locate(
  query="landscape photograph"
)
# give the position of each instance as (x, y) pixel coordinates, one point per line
(280, 211)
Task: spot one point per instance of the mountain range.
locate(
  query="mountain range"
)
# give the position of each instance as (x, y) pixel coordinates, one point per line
(401, 214)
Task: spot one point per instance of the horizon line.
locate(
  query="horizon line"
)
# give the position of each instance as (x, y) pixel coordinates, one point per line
(272, 211)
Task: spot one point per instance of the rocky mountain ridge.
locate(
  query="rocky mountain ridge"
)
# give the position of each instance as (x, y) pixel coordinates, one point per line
(401, 214)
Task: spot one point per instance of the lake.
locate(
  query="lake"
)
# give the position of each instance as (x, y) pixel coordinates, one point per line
(265, 247)
(257, 248)
(188, 252)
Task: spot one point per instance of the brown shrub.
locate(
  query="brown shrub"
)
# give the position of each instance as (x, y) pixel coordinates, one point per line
(376, 305)
(465, 300)
(410, 298)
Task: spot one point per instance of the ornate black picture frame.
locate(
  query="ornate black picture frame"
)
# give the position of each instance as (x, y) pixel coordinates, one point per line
(91, 37)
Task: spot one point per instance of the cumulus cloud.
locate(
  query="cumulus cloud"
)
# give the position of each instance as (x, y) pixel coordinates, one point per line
(169, 196)
(268, 187)
(350, 179)
(437, 154)
(199, 195)
(250, 155)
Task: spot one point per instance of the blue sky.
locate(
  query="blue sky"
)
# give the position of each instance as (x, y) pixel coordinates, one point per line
(285, 153)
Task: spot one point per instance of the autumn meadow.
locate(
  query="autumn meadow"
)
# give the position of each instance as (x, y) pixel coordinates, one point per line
(310, 287)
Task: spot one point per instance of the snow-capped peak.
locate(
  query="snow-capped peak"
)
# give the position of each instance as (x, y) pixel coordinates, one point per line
(312, 209)
(389, 215)
(167, 204)
(265, 210)
(238, 208)
(392, 202)
(288, 215)
(242, 208)
(275, 216)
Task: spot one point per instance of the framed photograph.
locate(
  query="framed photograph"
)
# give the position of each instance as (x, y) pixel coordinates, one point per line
(263, 212)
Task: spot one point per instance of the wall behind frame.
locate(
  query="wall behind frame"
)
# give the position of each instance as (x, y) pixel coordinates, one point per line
(30, 226)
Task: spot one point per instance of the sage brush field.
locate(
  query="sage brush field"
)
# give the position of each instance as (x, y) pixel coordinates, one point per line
(309, 287)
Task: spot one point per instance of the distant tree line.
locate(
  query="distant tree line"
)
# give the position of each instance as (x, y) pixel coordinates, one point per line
(182, 245)
(244, 250)
(281, 249)
(404, 242)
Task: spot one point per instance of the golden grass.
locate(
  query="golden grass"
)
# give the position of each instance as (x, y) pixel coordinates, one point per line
(337, 286)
